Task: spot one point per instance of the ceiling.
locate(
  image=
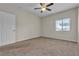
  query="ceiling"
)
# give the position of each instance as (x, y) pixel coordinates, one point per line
(29, 7)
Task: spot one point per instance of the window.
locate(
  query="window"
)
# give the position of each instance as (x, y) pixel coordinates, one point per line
(63, 24)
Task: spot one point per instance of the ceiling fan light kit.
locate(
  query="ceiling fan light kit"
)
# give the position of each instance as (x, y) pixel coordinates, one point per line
(43, 9)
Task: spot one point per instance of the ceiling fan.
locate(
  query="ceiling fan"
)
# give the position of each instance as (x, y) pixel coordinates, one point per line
(44, 7)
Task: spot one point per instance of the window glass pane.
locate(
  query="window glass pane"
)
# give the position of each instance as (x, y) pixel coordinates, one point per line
(59, 25)
(66, 24)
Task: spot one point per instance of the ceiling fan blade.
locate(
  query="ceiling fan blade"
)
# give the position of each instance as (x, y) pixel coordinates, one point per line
(49, 4)
(42, 4)
(37, 8)
(48, 9)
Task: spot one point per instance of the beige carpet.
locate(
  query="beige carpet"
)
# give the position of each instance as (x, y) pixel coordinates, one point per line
(41, 47)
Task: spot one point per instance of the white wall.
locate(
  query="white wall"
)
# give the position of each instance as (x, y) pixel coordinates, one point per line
(48, 25)
(27, 24)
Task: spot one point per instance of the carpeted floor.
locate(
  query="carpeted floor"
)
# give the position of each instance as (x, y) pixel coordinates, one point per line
(41, 47)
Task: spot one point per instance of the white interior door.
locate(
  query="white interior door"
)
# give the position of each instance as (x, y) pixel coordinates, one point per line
(8, 28)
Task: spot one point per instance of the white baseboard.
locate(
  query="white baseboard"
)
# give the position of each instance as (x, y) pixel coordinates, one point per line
(57, 38)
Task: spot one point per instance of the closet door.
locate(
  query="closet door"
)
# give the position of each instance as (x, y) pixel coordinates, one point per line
(8, 29)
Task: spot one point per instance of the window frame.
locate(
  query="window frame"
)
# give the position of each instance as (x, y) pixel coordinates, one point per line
(62, 25)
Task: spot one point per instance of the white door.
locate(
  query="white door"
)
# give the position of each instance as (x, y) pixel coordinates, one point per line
(8, 29)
